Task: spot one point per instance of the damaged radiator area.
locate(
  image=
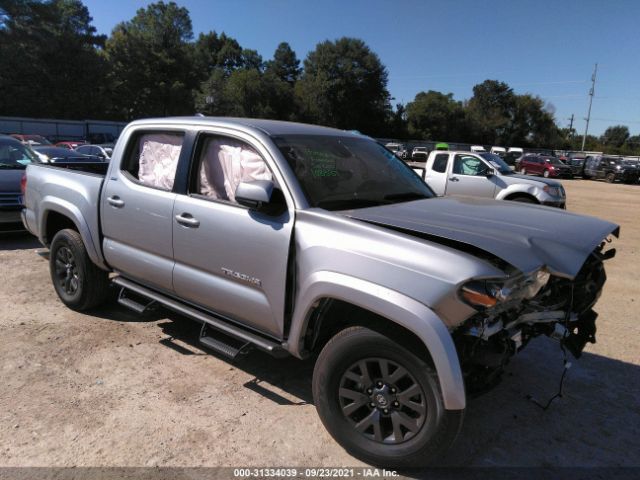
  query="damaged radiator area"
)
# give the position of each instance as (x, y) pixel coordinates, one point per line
(562, 310)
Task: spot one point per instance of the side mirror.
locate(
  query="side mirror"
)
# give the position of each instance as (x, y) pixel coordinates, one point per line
(254, 194)
(489, 172)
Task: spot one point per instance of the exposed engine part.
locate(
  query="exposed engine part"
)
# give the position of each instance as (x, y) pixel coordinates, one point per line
(562, 310)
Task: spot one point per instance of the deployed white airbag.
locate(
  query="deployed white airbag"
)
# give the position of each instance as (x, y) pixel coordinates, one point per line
(159, 153)
(226, 164)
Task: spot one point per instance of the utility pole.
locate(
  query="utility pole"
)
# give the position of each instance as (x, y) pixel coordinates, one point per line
(571, 127)
(593, 86)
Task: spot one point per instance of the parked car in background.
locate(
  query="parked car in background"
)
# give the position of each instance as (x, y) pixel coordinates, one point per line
(500, 151)
(611, 169)
(419, 153)
(512, 159)
(31, 139)
(100, 138)
(487, 175)
(398, 149)
(515, 150)
(544, 165)
(57, 154)
(14, 158)
(478, 148)
(101, 151)
(577, 165)
(70, 144)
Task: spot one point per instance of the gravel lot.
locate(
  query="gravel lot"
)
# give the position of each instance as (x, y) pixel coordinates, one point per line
(112, 389)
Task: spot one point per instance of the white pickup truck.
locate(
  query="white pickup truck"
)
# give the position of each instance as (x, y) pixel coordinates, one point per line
(486, 175)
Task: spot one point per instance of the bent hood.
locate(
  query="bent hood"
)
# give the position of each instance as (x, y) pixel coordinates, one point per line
(526, 236)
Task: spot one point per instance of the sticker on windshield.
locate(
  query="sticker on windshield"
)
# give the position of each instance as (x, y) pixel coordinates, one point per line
(322, 163)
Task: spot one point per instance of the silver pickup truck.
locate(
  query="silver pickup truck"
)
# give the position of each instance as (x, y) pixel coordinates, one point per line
(302, 240)
(483, 174)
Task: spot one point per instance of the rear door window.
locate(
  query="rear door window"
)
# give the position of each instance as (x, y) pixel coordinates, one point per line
(440, 163)
(152, 158)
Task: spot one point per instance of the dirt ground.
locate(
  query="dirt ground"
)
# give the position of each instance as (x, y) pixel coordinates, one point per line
(111, 389)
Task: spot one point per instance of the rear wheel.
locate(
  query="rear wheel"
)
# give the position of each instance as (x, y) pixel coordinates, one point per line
(381, 402)
(523, 171)
(611, 177)
(79, 283)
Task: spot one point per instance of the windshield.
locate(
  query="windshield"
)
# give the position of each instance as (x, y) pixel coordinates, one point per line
(497, 162)
(37, 140)
(612, 160)
(340, 173)
(553, 161)
(14, 155)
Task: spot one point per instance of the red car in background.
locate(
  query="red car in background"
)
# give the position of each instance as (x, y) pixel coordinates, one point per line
(545, 166)
(70, 144)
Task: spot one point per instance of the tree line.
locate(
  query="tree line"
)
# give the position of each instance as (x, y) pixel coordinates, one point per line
(54, 64)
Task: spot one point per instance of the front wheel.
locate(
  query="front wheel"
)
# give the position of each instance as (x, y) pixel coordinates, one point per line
(523, 171)
(381, 402)
(523, 199)
(545, 174)
(79, 283)
(611, 177)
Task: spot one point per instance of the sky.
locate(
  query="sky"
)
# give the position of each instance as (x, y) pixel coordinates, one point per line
(545, 47)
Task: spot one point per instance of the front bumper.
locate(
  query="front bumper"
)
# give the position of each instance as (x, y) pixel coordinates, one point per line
(628, 177)
(561, 173)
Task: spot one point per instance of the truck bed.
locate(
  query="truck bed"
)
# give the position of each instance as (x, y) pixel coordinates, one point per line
(71, 189)
(99, 168)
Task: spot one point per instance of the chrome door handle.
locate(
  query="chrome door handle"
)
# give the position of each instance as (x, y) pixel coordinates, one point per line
(115, 201)
(187, 220)
(454, 179)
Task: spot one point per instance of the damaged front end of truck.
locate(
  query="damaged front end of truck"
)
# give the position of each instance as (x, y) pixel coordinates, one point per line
(514, 311)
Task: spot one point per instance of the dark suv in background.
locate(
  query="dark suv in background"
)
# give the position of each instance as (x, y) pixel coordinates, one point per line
(14, 158)
(577, 165)
(544, 165)
(610, 169)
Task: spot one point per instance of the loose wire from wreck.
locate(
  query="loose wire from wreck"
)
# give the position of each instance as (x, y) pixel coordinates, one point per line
(566, 365)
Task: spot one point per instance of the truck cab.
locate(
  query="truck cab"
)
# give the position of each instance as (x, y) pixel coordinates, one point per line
(486, 175)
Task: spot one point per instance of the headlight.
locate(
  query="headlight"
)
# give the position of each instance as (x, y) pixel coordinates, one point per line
(488, 293)
(553, 191)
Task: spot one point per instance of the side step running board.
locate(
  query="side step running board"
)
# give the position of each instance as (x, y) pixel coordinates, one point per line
(243, 337)
(132, 304)
(223, 344)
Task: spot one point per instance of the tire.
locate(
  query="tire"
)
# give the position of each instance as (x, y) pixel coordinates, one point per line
(79, 283)
(545, 174)
(404, 437)
(523, 199)
(523, 171)
(611, 177)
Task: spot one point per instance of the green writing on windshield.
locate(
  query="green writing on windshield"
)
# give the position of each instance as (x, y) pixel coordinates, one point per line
(323, 164)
